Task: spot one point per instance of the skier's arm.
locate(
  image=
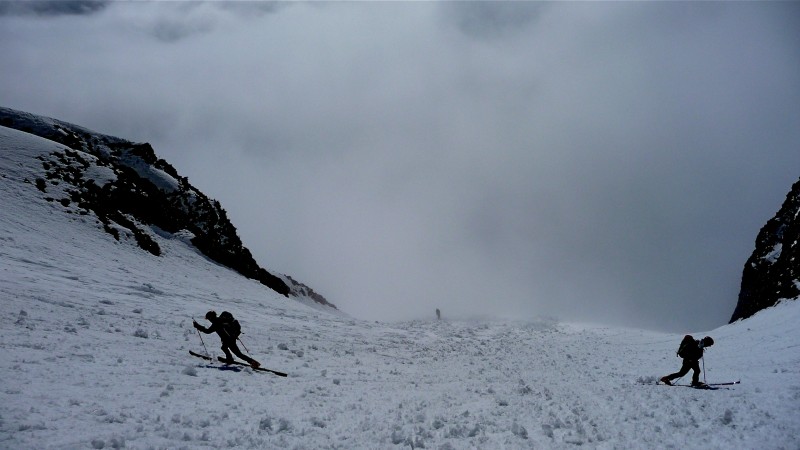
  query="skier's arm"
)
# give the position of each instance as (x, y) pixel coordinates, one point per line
(205, 330)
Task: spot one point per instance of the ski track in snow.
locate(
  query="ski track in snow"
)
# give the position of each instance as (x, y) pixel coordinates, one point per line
(97, 334)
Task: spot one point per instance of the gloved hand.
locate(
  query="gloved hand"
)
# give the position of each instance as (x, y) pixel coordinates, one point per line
(195, 324)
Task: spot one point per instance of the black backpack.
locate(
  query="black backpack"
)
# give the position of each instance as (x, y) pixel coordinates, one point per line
(685, 350)
(230, 325)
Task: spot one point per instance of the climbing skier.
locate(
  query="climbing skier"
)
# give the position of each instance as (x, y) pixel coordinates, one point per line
(691, 350)
(228, 330)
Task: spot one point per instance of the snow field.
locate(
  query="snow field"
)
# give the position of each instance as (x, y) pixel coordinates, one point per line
(97, 334)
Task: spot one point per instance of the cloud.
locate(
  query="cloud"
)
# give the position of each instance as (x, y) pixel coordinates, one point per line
(493, 19)
(186, 20)
(165, 21)
(608, 162)
(53, 8)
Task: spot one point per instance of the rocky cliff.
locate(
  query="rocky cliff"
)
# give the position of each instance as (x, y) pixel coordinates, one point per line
(772, 272)
(129, 189)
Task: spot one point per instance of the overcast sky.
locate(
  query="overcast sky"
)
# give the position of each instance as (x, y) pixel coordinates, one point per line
(604, 162)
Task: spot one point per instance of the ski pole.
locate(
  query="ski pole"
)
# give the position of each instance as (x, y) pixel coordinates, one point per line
(201, 339)
(704, 369)
(241, 342)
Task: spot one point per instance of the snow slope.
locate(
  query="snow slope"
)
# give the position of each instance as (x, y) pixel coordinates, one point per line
(97, 334)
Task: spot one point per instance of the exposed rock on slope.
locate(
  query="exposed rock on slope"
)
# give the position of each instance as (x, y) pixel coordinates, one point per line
(772, 272)
(130, 189)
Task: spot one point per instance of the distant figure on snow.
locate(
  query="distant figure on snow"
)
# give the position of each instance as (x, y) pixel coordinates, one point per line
(691, 350)
(228, 330)
(438, 314)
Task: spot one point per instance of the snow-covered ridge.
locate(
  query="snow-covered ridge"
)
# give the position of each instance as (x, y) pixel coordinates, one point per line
(130, 190)
(97, 334)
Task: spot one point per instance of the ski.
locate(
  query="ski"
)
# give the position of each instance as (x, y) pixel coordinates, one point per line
(260, 369)
(207, 358)
(725, 384)
(222, 360)
(705, 386)
(702, 386)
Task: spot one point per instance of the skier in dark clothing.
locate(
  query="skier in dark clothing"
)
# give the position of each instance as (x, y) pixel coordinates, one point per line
(227, 328)
(691, 350)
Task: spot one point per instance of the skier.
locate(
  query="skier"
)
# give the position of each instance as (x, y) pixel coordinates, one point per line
(227, 328)
(691, 350)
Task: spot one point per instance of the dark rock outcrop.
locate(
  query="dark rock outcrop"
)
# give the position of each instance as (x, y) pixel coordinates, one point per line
(772, 272)
(138, 192)
(301, 290)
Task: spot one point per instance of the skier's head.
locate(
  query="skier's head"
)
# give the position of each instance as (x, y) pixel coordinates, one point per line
(707, 341)
(211, 316)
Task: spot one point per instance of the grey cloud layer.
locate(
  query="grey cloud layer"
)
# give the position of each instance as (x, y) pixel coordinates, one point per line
(51, 8)
(604, 162)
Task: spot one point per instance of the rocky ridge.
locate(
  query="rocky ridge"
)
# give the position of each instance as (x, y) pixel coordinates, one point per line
(130, 190)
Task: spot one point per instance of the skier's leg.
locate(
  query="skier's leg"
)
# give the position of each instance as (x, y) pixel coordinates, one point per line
(235, 349)
(684, 370)
(228, 357)
(696, 372)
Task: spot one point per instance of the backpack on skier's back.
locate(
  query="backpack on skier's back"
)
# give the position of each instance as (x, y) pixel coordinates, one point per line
(230, 325)
(685, 349)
